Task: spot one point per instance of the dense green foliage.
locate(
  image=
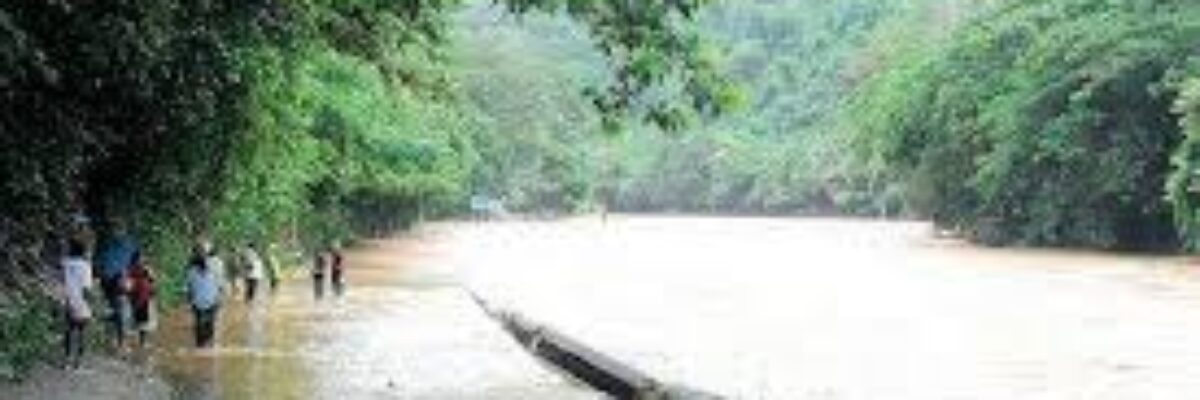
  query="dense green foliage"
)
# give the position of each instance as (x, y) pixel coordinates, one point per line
(286, 121)
(1042, 122)
(785, 152)
(238, 121)
(537, 140)
(1183, 187)
(23, 332)
(796, 62)
(277, 119)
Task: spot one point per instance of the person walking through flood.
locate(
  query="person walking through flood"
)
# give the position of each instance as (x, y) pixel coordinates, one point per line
(253, 269)
(319, 265)
(336, 269)
(231, 272)
(115, 258)
(77, 279)
(204, 293)
(271, 261)
(141, 297)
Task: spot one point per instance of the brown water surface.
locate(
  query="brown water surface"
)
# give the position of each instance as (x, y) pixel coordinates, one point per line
(744, 307)
(848, 309)
(404, 330)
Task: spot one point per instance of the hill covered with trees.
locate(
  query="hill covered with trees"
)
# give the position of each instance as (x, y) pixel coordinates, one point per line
(1047, 123)
(1028, 122)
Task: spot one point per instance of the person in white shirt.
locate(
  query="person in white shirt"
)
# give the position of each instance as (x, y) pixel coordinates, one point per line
(252, 265)
(77, 279)
(214, 262)
(204, 293)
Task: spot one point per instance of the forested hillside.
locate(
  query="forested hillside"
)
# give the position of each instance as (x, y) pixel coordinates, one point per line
(785, 152)
(1047, 123)
(1013, 122)
(782, 152)
(538, 140)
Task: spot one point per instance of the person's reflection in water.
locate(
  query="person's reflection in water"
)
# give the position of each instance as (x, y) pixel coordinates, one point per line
(256, 335)
(203, 376)
(257, 347)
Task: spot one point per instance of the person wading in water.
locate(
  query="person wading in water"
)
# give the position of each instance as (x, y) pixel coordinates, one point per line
(320, 264)
(204, 294)
(337, 269)
(271, 261)
(254, 270)
(141, 296)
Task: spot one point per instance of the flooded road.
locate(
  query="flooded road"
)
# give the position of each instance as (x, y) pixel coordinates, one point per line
(843, 309)
(404, 330)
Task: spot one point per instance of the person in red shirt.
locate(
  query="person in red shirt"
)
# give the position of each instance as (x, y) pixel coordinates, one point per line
(141, 296)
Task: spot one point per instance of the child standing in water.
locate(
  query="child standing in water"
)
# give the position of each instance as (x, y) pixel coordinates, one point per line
(141, 297)
(77, 279)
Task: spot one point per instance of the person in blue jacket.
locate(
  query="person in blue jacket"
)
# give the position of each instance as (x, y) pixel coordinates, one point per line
(114, 259)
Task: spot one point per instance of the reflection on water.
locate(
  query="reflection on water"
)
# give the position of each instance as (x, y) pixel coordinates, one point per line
(259, 354)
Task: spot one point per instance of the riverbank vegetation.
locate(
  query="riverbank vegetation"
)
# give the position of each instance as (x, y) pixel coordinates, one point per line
(1047, 123)
(283, 121)
(1011, 122)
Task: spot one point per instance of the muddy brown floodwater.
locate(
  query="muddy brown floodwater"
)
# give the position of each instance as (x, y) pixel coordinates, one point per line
(405, 329)
(846, 309)
(746, 308)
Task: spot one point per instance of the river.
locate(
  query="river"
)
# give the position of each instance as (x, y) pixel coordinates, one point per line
(749, 308)
(848, 309)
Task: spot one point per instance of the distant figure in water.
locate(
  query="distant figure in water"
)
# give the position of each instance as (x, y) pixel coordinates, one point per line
(204, 293)
(254, 270)
(271, 261)
(320, 264)
(233, 272)
(337, 269)
(141, 297)
(77, 279)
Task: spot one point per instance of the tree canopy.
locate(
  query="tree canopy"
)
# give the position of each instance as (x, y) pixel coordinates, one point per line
(1013, 121)
(274, 119)
(1043, 122)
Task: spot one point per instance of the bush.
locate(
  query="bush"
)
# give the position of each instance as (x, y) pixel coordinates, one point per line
(27, 334)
